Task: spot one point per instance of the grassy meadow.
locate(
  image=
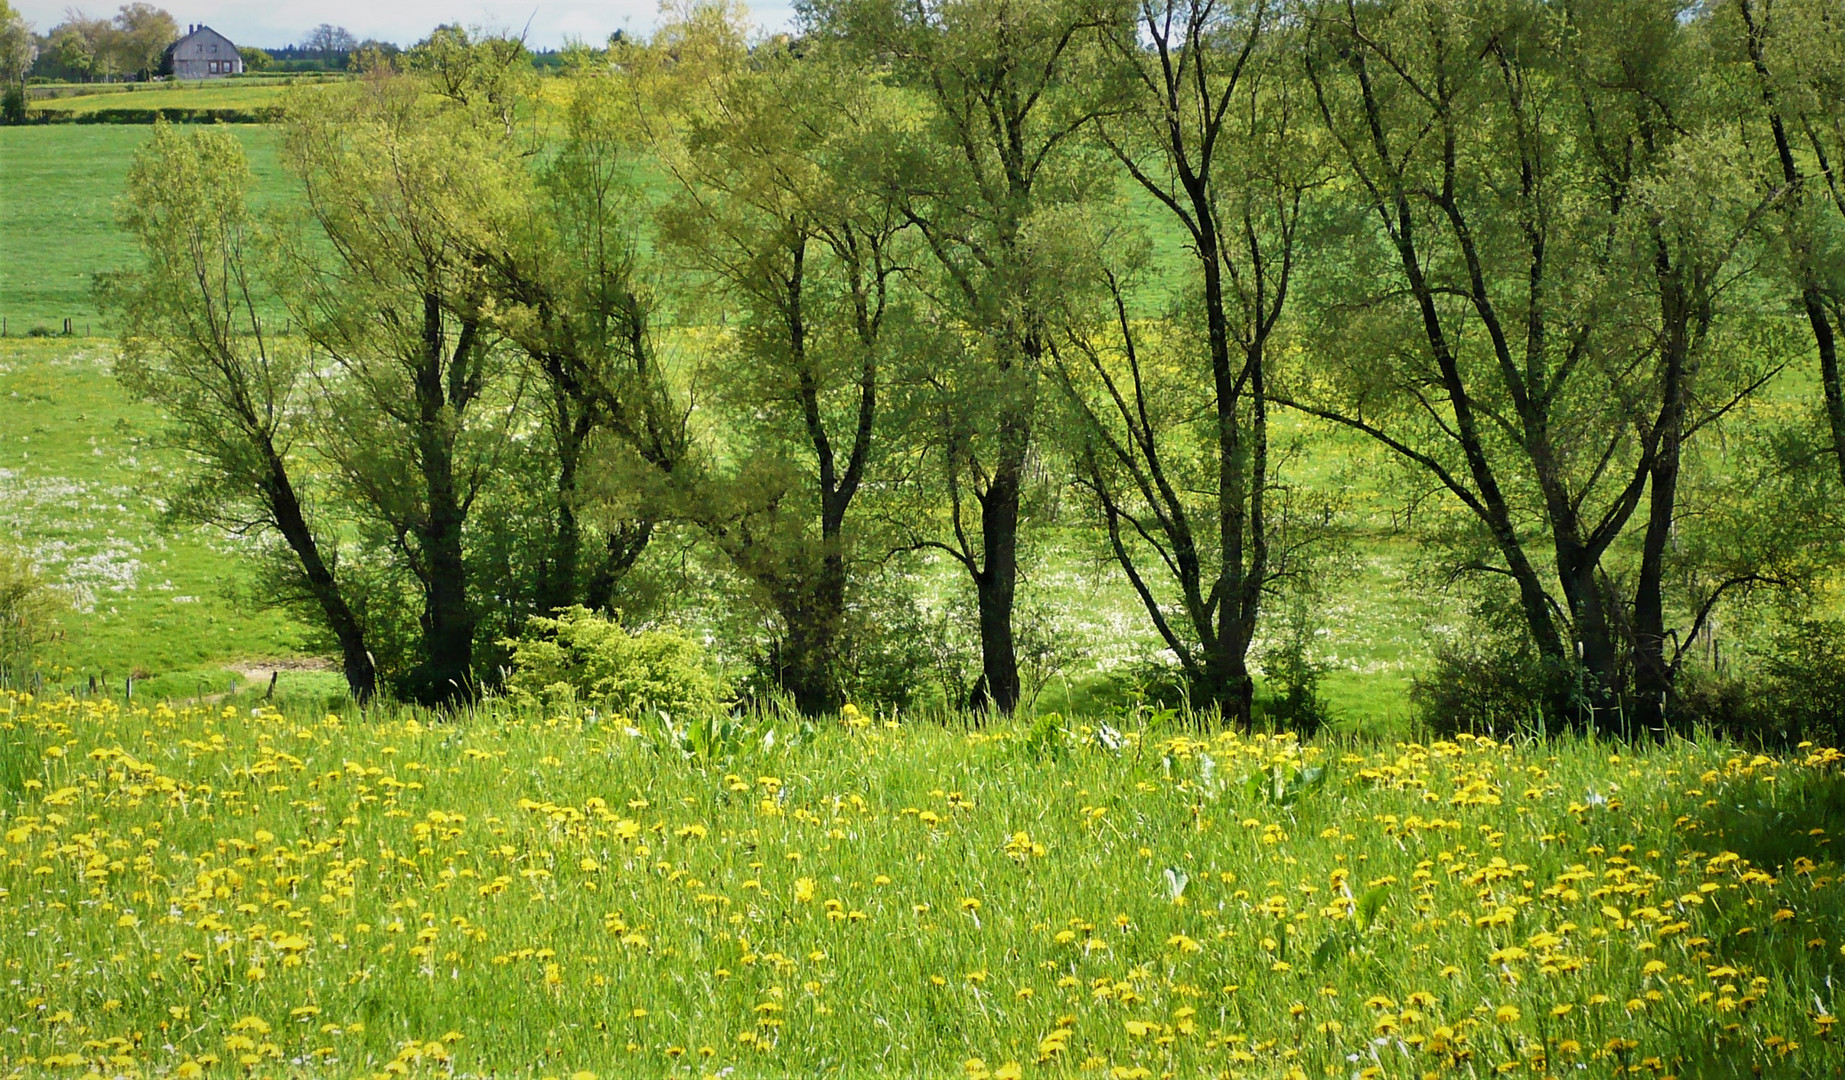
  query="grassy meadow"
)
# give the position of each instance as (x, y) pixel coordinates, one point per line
(58, 186)
(80, 464)
(225, 891)
(79, 476)
(221, 94)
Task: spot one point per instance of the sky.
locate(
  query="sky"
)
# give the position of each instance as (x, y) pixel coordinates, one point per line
(402, 21)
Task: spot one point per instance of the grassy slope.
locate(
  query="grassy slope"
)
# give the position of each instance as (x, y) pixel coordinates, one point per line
(76, 466)
(186, 96)
(58, 186)
(76, 469)
(530, 895)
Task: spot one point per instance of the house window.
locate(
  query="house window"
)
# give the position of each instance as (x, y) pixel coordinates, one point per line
(213, 68)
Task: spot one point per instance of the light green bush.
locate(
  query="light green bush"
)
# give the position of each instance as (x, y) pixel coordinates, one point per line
(581, 656)
(29, 610)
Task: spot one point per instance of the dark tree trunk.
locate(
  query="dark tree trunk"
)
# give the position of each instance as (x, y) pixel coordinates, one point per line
(1652, 669)
(1228, 685)
(1829, 380)
(1598, 659)
(285, 508)
(445, 673)
(619, 553)
(807, 666)
(560, 584)
(1227, 647)
(996, 582)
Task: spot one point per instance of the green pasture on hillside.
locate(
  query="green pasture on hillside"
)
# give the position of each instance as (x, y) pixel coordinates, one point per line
(58, 186)
(80, 476)
(191, 96)
(42, 95)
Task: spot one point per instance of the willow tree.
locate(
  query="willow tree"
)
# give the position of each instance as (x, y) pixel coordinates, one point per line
(1206, 117)
(775, 229)
(1532, 310)
(403, 188)
(994, 156)
(1795, 90)
(575, 296)
(238, 395)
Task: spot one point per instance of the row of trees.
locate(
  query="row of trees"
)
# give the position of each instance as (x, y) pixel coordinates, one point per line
(129, 45)
(132, 45)
(819, 302)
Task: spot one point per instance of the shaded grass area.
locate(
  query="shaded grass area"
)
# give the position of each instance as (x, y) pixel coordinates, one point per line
(545, 894)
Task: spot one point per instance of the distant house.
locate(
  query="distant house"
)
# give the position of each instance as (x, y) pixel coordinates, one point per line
(203, 54)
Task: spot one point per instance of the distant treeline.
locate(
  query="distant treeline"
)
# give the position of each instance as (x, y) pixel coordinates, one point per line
(302, 58)
(132, 47)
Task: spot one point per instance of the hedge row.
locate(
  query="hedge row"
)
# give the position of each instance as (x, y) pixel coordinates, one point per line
(267, 114)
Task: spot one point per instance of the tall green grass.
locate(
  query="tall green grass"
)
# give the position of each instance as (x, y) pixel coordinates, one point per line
(532, 893)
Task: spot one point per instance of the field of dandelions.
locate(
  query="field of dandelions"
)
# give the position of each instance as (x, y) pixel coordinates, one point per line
(216, 891)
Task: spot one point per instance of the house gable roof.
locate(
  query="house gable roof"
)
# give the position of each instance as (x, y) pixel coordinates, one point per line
(200, 32)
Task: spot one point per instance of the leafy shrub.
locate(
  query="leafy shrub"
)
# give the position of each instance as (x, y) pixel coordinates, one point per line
(585, 657)
(29, 611)
(1293, 674)
(1046, 648)
(1719, 703)
(1484, 684)
(888, 652)
(13, 105)
(1799, 692)
(1151, 682)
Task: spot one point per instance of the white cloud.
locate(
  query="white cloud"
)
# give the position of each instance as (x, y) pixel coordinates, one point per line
(404, 21)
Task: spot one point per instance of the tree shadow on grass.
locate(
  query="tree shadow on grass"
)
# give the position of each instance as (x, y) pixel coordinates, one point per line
(1775, 818)
(1782, 821)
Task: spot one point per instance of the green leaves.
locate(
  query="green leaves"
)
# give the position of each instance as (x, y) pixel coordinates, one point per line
(1370, 904)
(1282, 783)
(590, 659)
